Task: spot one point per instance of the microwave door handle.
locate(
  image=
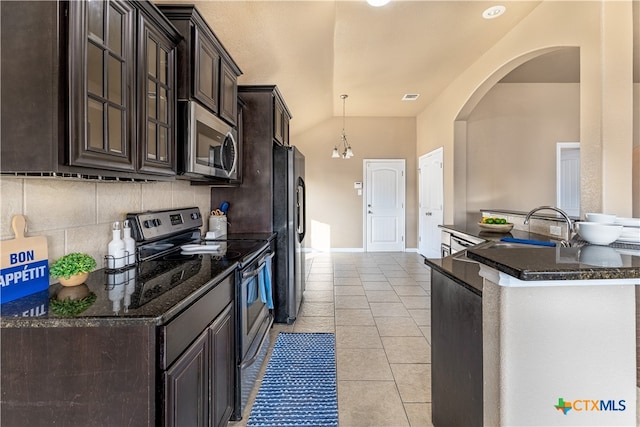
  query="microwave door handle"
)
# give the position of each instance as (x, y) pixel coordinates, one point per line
(234, 144)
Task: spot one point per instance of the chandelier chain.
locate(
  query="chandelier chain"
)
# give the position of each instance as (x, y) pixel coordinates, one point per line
(347, 153)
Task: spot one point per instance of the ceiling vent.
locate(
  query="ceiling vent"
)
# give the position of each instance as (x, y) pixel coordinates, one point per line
(410, 96)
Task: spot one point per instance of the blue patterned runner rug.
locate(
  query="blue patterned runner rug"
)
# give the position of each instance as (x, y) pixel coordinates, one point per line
(299, 385)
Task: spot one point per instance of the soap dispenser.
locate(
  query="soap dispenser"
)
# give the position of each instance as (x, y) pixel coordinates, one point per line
(116, 248)
(129, 244)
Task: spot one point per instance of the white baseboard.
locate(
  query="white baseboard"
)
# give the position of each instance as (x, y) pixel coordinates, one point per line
(348, 250)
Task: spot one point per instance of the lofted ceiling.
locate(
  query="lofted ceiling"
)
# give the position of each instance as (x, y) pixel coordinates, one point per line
(314, 51)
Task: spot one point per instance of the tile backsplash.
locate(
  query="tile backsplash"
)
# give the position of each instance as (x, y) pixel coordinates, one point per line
(76, 215)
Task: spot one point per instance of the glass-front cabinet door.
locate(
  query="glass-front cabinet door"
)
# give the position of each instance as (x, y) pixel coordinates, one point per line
(158, 101)
(101, 64)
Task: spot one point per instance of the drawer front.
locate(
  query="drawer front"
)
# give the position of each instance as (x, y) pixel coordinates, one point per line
(185, 328)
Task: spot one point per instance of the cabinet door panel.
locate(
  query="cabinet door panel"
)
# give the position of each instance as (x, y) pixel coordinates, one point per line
(101, 85)
(207, 67)
(222, 366)
(456, 353)
(228, 94)
(186, 385)
(157, 110)
(278, 115)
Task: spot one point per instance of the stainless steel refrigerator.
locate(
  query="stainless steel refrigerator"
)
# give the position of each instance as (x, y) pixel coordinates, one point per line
(289, 207)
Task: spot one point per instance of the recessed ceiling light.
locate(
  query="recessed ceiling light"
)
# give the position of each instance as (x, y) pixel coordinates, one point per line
(493, 12)
(410, 96)
(377, 3)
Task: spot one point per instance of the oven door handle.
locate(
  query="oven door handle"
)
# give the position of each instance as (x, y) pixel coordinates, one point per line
(261, 266)
(255, 355)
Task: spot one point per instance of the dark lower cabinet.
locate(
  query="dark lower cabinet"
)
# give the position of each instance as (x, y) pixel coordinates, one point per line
(456, 353)
(186, 385)
(221, 379)
(199, 385)
(123, 372)
(78, 376)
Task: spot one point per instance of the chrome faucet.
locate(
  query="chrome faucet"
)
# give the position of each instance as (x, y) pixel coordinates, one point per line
(561, 212)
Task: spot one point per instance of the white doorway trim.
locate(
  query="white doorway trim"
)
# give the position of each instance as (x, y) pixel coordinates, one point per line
(568, 177)
(430, 202)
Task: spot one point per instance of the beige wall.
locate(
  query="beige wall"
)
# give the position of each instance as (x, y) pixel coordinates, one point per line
(511, 144)
(76, 215)
(334, 209)
(606, 114)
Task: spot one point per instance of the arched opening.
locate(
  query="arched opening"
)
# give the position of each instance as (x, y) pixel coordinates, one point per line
(505, 135)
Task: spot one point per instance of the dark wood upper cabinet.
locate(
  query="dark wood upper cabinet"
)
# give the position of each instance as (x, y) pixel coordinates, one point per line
(157, 95)
(101, 73)
(206, 71)
(228, 93)
(85, 79)
(281, 119)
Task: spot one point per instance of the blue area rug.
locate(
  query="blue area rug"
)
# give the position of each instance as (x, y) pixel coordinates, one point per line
(299, 385)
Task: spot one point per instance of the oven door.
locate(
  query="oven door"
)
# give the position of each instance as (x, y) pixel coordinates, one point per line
(253, 311)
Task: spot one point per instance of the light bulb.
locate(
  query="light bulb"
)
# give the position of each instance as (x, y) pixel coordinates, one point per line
(335, 153)
(377, 3)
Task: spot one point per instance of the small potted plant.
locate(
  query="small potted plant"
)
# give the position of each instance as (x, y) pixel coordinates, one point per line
(72, 269)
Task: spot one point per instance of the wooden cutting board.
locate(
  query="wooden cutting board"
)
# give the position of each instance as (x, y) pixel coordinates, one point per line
(24, 263)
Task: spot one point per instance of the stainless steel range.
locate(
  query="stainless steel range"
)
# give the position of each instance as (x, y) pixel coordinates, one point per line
(169, 249)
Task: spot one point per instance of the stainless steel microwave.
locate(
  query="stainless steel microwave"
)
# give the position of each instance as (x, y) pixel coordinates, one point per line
(210, 147)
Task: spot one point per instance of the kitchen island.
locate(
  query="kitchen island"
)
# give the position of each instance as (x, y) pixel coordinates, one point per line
(553, 326)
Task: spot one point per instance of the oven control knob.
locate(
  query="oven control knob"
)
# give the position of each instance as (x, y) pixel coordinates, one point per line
(147, 223)
(156, 222)
(195, 215)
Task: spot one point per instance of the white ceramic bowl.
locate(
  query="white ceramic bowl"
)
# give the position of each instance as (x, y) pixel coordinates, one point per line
(599, 234)
(600, 256)
(601, 218)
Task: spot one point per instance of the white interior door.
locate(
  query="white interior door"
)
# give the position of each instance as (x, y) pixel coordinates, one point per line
(568, 177)
(430, 212)
(384, 208)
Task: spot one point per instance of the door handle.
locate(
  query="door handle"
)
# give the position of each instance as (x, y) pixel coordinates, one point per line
(370, 212)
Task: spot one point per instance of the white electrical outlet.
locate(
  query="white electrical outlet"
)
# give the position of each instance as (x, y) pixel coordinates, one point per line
(555, 230)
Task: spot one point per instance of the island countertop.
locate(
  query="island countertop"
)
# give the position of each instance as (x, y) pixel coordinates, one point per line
(580, 262)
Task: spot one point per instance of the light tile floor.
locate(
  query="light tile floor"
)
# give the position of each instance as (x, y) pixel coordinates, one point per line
(378, 306)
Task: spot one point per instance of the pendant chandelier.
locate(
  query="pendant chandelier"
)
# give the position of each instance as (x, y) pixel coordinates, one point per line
(345, 149)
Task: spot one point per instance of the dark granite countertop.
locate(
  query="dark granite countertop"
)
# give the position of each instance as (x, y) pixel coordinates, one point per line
(579, 262)
(152, 292)
(459, 268)
(584, 262)
(476, 231)
(194, 278)
(465, 271)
